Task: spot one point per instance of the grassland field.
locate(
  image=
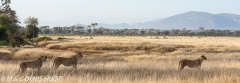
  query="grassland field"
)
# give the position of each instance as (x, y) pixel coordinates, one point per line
(131, 59)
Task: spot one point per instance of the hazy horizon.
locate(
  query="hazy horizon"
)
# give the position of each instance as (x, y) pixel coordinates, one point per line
(71, 12)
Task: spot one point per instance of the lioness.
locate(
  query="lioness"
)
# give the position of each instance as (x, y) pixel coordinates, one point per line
(191, 63)
(33, 64)
(67, 61)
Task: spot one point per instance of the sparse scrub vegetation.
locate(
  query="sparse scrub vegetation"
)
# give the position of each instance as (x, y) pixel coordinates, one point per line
(3, 43)
(60, 38)
(39, 39)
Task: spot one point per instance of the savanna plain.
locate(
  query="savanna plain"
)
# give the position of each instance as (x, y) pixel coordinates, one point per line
(131, 59)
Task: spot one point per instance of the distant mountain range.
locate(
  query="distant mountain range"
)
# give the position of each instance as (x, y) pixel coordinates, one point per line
(190, 20)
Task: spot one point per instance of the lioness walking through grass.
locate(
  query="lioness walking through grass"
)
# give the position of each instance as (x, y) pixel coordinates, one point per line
(67, 61)
(33, 64)
(191, 63)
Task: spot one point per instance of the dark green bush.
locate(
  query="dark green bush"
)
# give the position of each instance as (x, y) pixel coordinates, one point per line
(40, 39)
(3, 43)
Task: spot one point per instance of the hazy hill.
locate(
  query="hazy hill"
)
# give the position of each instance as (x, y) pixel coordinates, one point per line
(190, 20)
(194, 20)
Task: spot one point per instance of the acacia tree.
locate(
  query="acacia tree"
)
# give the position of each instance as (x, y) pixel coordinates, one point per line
(78, 29)
(81, 27)
(142, 32)
(44, 29)
(89, 28)
(31, 27)
(201, 33)
(55, 30)
(9, 24)
(93, 26)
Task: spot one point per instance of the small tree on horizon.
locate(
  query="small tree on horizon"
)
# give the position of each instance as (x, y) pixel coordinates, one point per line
(31, 27)
(93, 26)
(89, 29)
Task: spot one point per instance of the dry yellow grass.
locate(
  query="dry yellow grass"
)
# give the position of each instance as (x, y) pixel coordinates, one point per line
(136, 60)
(34, 53)
(5, 51)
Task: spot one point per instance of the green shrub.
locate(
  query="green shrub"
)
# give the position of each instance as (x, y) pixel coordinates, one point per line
(60, 38)
(40, 39)
(3, 43)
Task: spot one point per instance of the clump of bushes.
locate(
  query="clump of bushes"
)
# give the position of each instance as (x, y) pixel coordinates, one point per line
(163, 49)
(3, 43)
(40, 39)
(60, 38)
(44, 38)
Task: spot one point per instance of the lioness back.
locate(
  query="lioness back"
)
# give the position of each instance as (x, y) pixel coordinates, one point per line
(65, 61)
(189, 63)
(72, 61)
(32, 64)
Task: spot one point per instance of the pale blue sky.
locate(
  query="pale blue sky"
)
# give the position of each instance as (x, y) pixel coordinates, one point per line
(70, 12)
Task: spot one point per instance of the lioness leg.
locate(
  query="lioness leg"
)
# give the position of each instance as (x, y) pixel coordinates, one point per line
(75, 67)
(181, 68)
(23, 70)
(57, 65)
(38, 70)
(182, 65)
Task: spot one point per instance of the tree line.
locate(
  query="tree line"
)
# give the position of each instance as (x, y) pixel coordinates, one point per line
(80, 30)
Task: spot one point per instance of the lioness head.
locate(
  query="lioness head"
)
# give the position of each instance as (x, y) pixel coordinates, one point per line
(79, 55)
(44, 58)
(204, 58)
